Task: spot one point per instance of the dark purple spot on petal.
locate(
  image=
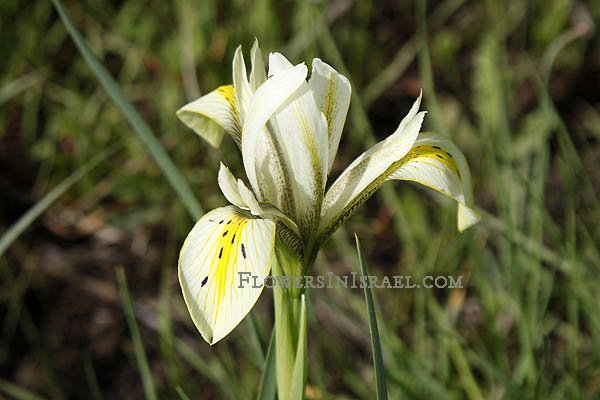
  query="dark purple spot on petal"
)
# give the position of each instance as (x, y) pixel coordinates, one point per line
(233, 238)
(204, 281)
(225, 233)
(243, 250)
(221, 252)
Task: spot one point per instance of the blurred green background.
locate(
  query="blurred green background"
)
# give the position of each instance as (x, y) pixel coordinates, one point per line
(515, 83)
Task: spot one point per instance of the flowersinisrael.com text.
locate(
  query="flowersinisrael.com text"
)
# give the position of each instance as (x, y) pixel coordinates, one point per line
(331, 280)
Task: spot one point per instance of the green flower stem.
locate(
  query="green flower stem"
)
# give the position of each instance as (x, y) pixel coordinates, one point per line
(290, 330)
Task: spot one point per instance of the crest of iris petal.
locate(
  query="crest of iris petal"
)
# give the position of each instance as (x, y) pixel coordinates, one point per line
(288, 130)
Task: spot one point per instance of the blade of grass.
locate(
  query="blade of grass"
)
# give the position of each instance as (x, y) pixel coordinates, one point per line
(257, 339)
(140, 126)
(517, 237)
(19, 85)
(211, 369)
(268, 383)
(565, 142)
(406, 54)
(136, 337)
(165, 318)
(181, 393)
(17, 392)
(41, 205)
(426, 71)
(90, 374)
(375, 342)
(188, 15)
(458, 356)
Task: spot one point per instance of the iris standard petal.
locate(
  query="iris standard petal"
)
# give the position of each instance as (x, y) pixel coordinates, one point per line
(222, 244)
(243, 92)
(258, 73)
(332, 93)
(301, 130)
(212, 114)
(262, 152)
(278, 63)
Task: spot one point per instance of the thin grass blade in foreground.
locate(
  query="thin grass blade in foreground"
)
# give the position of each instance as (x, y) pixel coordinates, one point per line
(41, 205)
(17, 392)
(257, 339)
(137, 122)
(268, 382)
(138, 346)
(375, 342)
(182, 394)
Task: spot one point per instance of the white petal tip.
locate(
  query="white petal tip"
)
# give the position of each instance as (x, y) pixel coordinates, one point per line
(255, 47)
(278, 63)
(467, 217)
(222, 169)
(419, 98)
(320, 66)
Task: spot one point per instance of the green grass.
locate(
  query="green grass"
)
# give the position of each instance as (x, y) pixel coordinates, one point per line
(373, 330)
(513, 83)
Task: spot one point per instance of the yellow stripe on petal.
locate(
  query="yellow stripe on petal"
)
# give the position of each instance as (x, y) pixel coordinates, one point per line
(228, 94)
(434, 161)
(431, 160)
(223, 244)
(212, 114)
(424, 152)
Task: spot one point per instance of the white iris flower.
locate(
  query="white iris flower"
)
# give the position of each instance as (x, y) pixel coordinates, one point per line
(288, 130)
